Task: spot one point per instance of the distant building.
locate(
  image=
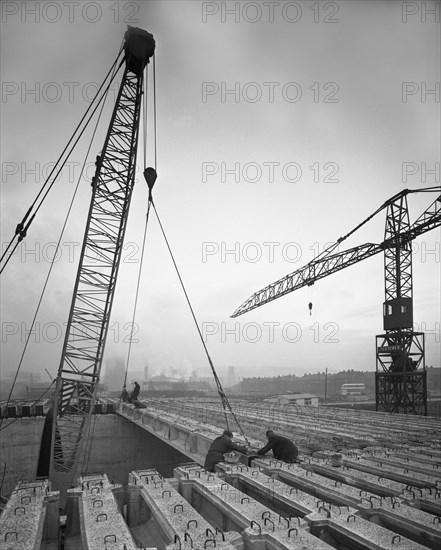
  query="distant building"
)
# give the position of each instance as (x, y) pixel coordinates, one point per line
(231, 377)
(348, 390)
(294, 399)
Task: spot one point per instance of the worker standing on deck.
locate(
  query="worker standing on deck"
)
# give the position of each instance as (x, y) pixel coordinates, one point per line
(282, 447)
(135, 392)
(222, 444)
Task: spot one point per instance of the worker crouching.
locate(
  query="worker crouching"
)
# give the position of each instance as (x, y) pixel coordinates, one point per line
(221, 445)
(282, 447)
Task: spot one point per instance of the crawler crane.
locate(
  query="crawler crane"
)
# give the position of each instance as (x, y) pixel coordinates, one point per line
(88, 322)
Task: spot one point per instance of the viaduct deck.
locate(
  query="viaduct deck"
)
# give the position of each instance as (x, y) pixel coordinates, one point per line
(368, 481)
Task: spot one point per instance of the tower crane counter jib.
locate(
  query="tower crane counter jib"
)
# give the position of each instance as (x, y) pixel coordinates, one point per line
(89, 316)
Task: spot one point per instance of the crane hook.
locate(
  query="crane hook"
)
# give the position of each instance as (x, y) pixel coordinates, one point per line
(310, 308)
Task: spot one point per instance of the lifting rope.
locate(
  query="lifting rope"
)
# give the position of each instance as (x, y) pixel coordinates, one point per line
(150, 175)
(224, 399)
(403, 193)
(124, 393)
(104, 96)
(23, 226)
(136, 303)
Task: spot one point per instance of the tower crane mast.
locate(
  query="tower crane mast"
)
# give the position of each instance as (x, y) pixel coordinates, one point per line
(88, 322)
(400, 375)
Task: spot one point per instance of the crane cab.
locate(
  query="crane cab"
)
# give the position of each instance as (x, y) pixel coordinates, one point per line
(397, 314)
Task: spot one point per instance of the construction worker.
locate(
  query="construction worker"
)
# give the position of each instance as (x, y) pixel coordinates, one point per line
(222, 444)
(282, 447)
(135, 392)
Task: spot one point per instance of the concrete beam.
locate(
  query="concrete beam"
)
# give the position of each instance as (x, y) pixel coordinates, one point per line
(101, 523)
(23, 523)
(191, 437)
(177, 520)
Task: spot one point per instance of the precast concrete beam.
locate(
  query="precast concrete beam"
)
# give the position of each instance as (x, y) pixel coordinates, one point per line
(23, 523)
(401, 474)
(178, 521)
(191, 438)
(400, 518)
(101, 523)
(262, 527)
(322, 487)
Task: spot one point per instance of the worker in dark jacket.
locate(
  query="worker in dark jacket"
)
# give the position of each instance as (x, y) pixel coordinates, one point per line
(282, 447)
(135, 393)
(222, 444)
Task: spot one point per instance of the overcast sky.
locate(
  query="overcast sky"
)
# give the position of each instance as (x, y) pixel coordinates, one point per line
(281, 126)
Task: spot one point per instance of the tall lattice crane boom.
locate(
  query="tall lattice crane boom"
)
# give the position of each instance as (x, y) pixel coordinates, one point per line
(94, 289)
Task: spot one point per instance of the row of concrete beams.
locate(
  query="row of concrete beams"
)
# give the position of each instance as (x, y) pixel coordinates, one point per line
(190, 437)
(227, 517)
(408, 423)
(295, 508)
(352, 471)
(316, 424)
(387, 504)
(23, 409)
(223, 506)
(283, 516)
(30, 517)
(178, 523)
(419, 487)
(401, 425)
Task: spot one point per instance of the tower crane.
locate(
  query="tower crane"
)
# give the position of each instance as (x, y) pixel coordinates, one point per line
(88, 321)
(400, 377)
